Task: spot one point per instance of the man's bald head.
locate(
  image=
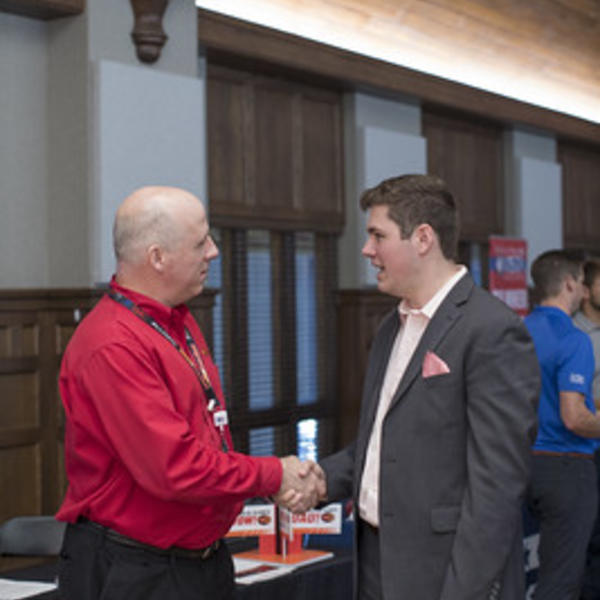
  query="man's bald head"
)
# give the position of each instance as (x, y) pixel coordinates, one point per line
(151, 215)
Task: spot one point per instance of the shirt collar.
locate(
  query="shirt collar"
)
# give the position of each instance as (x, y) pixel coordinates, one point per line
(584, 322)
(157, 310)
(554, 310)
(430, 308)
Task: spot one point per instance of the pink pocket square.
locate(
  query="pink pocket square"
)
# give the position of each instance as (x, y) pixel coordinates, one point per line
(433, 365)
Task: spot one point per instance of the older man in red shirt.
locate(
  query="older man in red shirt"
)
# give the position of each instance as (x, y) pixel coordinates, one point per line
(154, 482)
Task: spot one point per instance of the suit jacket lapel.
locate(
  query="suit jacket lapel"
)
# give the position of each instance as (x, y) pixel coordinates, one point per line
(446, 316)
(380, 354)
(381, 358)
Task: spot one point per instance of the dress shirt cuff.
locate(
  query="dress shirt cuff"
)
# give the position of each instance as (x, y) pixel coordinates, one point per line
(271, 475)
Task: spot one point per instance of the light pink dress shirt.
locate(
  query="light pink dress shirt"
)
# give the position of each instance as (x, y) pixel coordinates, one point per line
(415, 322)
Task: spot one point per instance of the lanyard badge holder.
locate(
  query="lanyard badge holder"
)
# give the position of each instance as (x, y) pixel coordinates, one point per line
(219, 414)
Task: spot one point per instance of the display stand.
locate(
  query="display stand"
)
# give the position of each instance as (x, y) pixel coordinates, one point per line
(283, 545)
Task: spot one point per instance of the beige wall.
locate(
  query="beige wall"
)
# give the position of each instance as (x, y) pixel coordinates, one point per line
(57, 193)
(23, 135)
(48, 172)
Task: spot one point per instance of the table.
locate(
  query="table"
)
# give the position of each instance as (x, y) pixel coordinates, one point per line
(327, 580)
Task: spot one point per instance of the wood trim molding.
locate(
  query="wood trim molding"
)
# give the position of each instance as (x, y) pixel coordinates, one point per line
(148, 34)
(43, 9)
(24, 436)
(230, 40)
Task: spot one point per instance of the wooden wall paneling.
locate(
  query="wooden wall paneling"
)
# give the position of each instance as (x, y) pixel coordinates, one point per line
(359, 313)
(62, 324)
(31, 463)
(229, 104)
(49, 402)
(283, 141)
(238, 42)
(35, 327)
(581, 195)
(19, 351)
(549, 37)
(64, 328)
(322, 158)
(22, 495)
(274, 149)
(467, 154)
(20, 415)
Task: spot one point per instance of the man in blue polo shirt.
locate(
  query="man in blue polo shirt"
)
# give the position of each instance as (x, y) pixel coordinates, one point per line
(563, 492)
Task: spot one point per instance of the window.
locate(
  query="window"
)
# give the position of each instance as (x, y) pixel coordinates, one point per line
(273, 339)
(276, 194)
(260, 331)
(306, 321)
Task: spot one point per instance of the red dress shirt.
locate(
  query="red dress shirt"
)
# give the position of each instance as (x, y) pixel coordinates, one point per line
(142, 454)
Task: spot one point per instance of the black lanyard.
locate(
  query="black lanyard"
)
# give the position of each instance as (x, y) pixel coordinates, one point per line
(197, 365)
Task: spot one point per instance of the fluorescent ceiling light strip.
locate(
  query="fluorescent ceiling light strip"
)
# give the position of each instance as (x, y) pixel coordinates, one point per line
(534, 90)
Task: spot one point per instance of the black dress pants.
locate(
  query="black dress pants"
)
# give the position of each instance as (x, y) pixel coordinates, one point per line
(369, 562)
(93, 567)
(563, 497)
(591, 580)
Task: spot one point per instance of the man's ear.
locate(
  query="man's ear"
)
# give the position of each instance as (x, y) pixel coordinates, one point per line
(424, 238)
(569, 283)
(156, 257)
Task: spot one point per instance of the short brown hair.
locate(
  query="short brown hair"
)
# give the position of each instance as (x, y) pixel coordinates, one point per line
(591, 271)
(550, 269)
(417, 199)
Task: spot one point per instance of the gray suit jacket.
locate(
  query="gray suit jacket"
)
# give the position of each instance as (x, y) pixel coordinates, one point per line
(455, 453)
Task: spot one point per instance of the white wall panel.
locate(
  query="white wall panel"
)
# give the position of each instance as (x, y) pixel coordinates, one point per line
(149, 128)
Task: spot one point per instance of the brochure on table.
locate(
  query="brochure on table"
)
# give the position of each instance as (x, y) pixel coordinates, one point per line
(11, 589)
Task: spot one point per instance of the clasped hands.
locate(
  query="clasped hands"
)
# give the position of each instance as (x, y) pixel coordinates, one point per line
(303, 485)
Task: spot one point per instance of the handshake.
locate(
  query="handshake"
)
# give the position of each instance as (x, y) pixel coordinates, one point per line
(303, 485)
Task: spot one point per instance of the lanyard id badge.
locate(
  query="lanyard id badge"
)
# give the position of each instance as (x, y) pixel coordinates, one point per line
(220, 418)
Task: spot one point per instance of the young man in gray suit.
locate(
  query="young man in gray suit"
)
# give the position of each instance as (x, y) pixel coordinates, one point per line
(440, 465)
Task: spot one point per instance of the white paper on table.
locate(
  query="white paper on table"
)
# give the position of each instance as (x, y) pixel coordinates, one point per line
(251, 571)
(11, 589)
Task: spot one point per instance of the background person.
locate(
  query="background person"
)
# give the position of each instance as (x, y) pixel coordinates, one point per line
(587, 318)
(563, 493)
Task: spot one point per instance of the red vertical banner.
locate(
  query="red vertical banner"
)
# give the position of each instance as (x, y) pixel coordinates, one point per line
(508, 272)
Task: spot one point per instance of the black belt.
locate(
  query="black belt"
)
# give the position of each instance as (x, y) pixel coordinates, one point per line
(176, 551)
(569, 454)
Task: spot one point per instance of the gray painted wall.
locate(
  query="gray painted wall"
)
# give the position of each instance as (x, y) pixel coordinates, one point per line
(23, 135)
(382, 138)
(56, 118)
(49, 178)
(533, 186)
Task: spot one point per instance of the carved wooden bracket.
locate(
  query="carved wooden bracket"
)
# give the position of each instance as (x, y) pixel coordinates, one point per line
(148, 34)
